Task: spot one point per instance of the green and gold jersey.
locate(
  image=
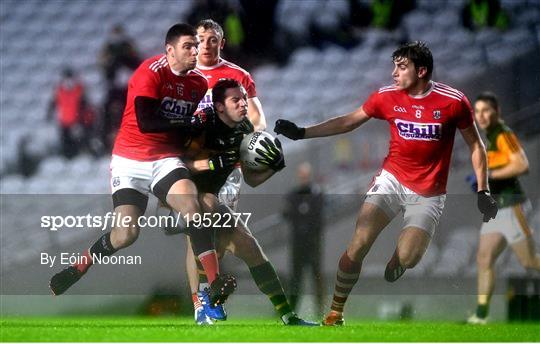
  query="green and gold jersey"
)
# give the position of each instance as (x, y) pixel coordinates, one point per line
(502, 143)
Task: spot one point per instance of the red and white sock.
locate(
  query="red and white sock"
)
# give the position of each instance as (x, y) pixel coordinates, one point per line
(347, 276)
(209, 261)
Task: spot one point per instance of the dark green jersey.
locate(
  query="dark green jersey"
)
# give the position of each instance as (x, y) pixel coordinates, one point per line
(502, 143)
(215, 139)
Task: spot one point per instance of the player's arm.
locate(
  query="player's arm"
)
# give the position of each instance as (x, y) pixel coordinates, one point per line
(486, 203)
(256, 114)
(337, 125)
(518, 163)
(478, 155)
(150, 118)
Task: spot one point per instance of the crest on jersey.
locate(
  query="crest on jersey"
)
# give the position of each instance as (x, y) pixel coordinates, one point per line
(179, 89)
(194, 95)
(436, 114)
(115, 181)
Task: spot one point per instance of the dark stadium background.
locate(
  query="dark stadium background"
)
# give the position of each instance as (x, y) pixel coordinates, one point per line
(310, 60)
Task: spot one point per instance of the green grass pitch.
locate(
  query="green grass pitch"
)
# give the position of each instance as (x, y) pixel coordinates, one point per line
(126, 329)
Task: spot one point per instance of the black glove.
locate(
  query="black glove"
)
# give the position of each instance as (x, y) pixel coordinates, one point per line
(487, 205)
(204, 118)
(289, 129)
(272, 155)
(224, 160)
(246, 127)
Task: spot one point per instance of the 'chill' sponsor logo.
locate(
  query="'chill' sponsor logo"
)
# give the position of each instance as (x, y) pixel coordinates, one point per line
(176, 108)
(419, 131)
(206, 101)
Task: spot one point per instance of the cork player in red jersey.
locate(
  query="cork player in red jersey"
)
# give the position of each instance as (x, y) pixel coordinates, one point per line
(163, 94)
(423, 116)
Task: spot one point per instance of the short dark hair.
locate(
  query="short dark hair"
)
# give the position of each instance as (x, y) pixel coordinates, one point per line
(219, 89)
(208, 24)
(489, 97)
(178, 30)
(418, 52)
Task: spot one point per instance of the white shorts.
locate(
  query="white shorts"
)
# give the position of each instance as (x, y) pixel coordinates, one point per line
(230, 191)
(140, 175)
(511, 222)
(392, 197)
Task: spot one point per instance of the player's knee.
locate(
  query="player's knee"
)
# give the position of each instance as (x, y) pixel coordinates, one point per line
(485, 260)
(359, 247)
(190, 207)
(409, 259)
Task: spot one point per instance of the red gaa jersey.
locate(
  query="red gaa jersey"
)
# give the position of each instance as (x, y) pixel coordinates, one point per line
(422, 130)
(225, 69)
(179, 96)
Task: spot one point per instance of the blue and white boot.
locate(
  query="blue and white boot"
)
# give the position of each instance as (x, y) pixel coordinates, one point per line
(201, 318)
(216, 312)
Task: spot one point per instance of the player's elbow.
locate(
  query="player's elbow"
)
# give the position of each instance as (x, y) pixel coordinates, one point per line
(523, 167)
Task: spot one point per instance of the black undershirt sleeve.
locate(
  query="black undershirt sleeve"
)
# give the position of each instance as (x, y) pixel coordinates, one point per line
(151, 120)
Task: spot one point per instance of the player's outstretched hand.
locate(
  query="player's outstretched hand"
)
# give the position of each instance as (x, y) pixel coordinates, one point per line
(223, 161)
(487, 205)
(204, 118)
(289, 129)
(272, 155)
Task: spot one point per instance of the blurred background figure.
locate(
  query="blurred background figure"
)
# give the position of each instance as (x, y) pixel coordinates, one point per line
(343, 154)
(304, 212)
(506, 162)
(118, 58)
(118, 51)
(203, 9)
(479, 14)
(387, 14)
(74, 115)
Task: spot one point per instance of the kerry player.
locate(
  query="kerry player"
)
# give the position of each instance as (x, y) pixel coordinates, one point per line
(423, 117)
(211, 166)
(506, 162)
(214, 67)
